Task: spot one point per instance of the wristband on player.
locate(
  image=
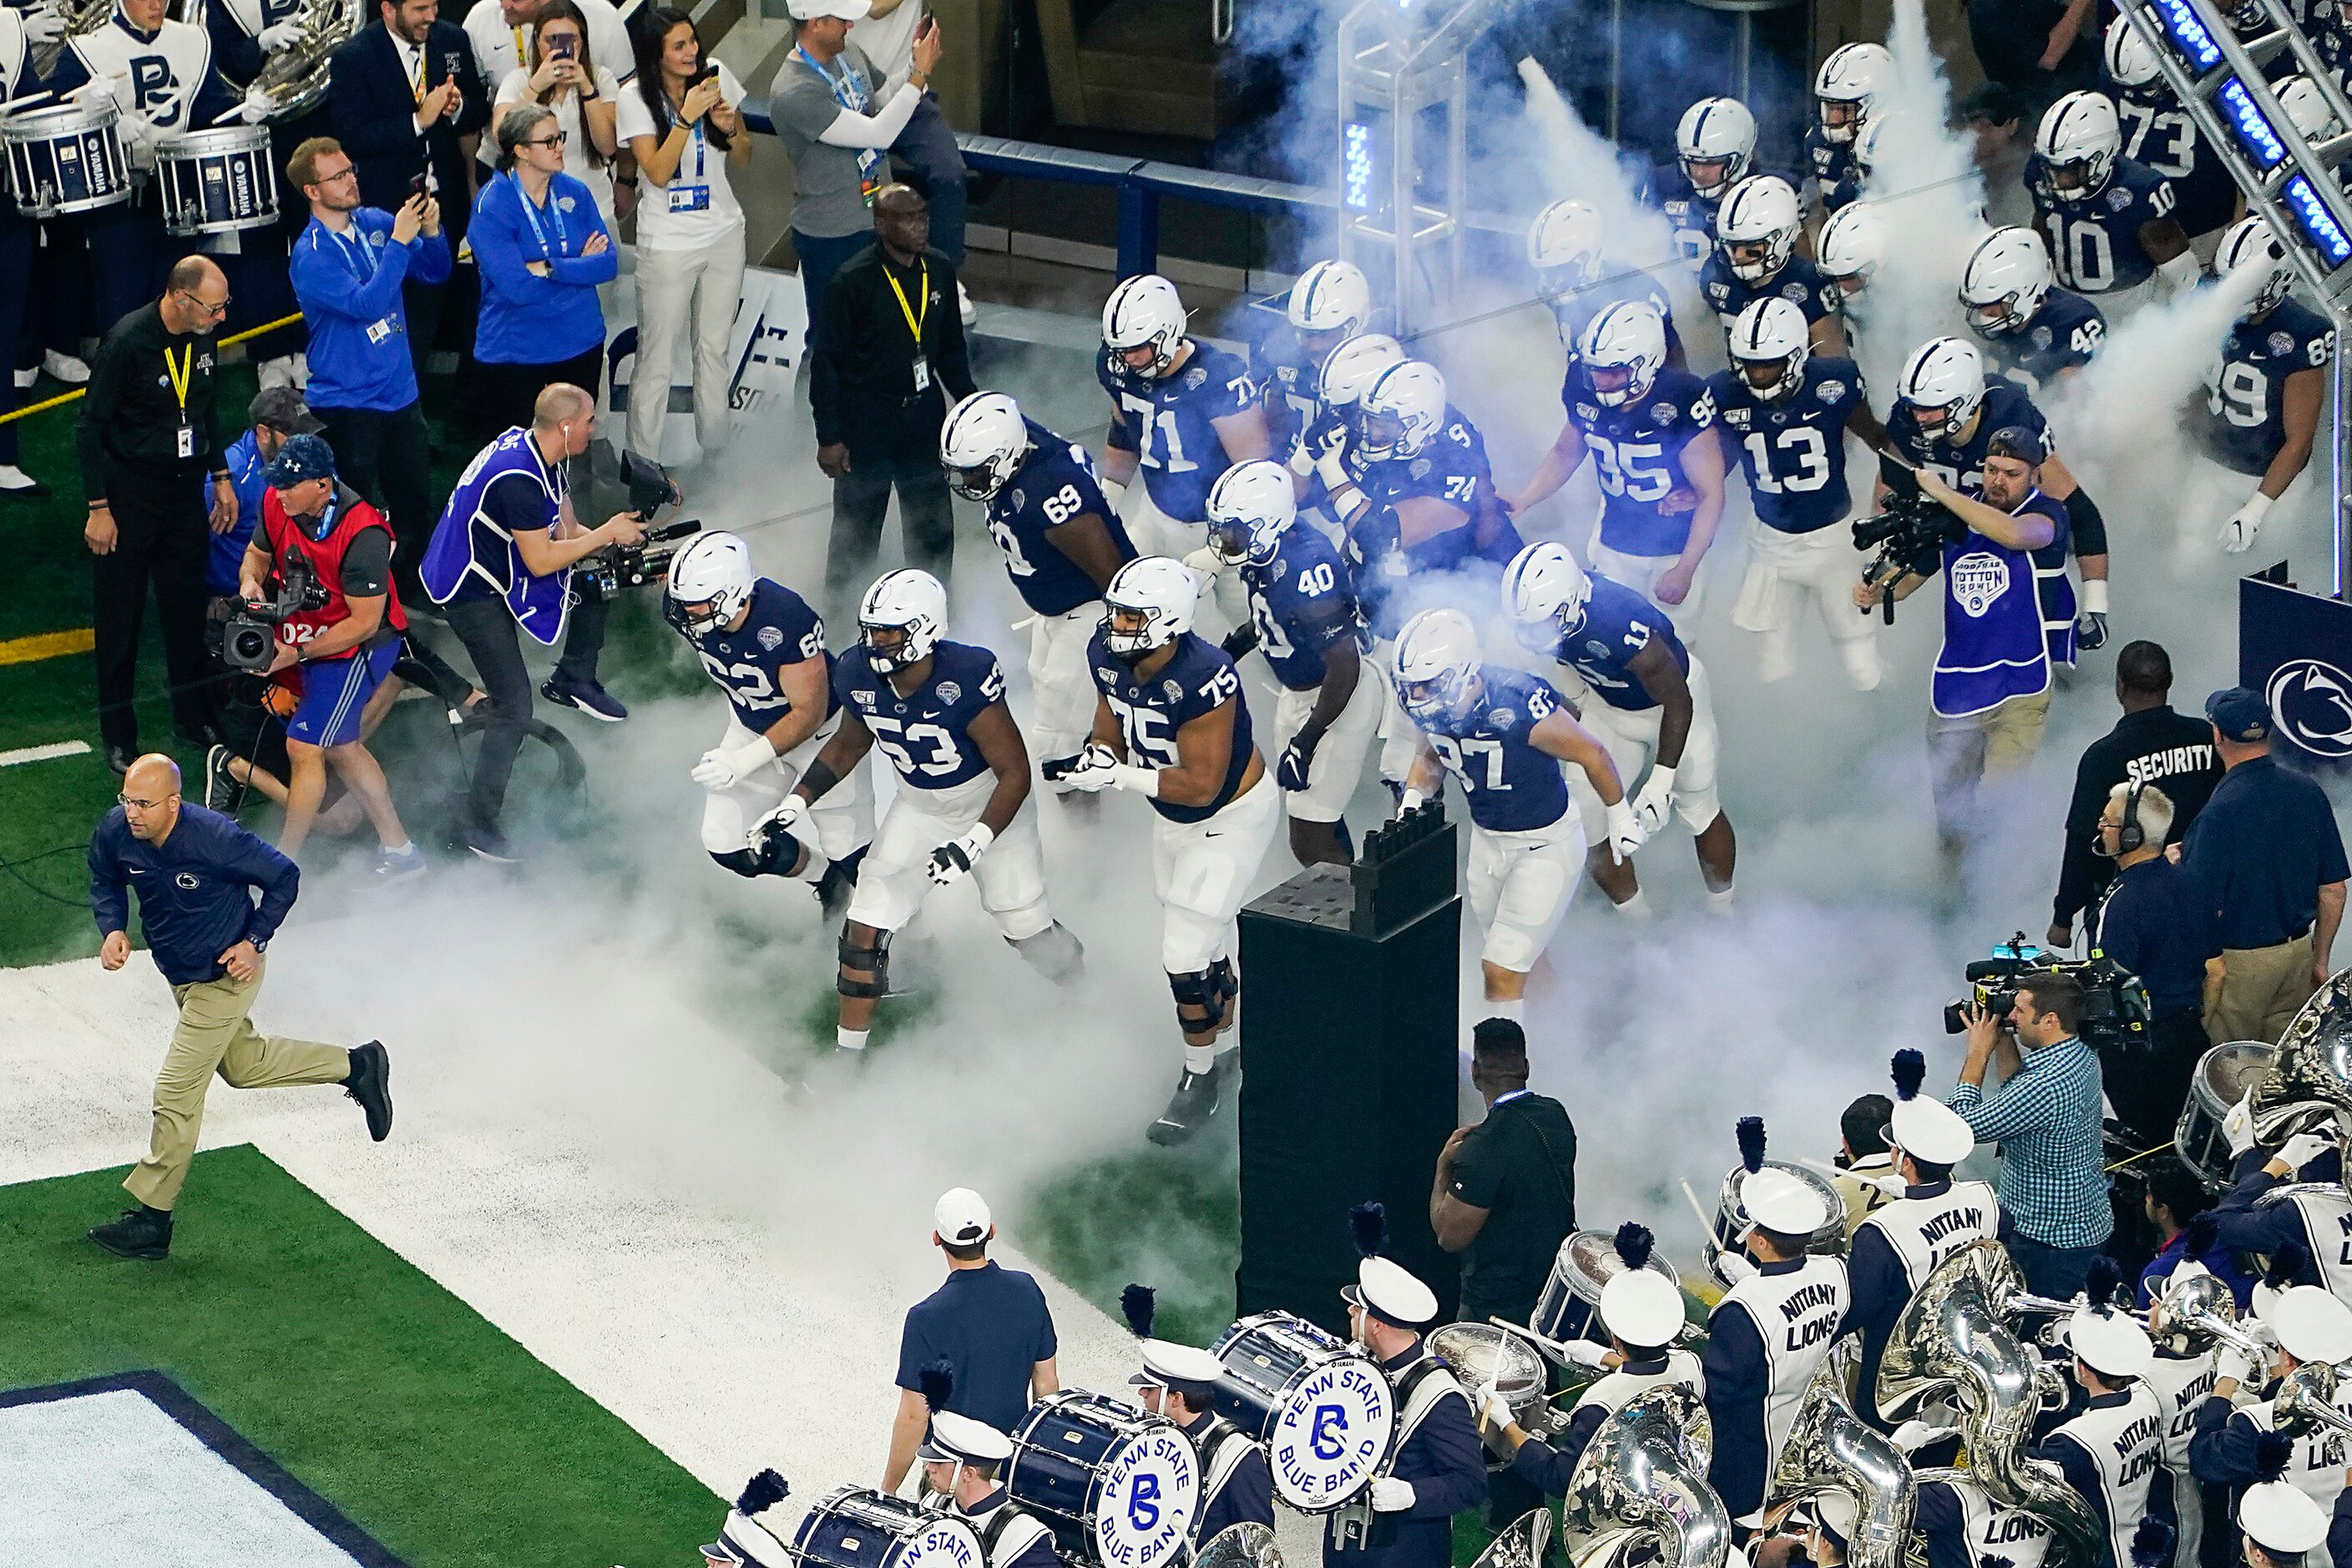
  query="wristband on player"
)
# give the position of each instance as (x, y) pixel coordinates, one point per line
(2095, 596)
(1143, 781)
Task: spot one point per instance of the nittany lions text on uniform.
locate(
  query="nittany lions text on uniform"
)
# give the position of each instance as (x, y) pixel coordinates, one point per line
(2062, 335)
(1301, 602)
(1637, 457)
(1169, 424)
(1798, 281)
(1197, 680)
(2095, 244)
(1960, 463)
(1899, 1243)
(1056, 483)
(1792, 449)
(2263, 1214)
(780, 630)
(1964, 1528)
(2245, 387)
(1766, 1339)
(1512, 785)
(1615, 624)
(2113, 1455)
(926, 734)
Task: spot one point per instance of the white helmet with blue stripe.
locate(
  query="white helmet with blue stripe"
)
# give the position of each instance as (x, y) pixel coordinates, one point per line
(910, 603)
(1160, 589)
(1631, 336)
(1545, 589)
(1436, 666)
(2078, 141)
(1250, 506)
(1402, 409)
(1145, 311)
(982, 443)
(1848, 83)
(1352, 366)
(1330, 297)
(1718, 133)
(1762, 217)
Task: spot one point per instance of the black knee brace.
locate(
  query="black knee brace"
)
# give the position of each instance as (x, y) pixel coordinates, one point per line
(1197, 990)
(874, 959)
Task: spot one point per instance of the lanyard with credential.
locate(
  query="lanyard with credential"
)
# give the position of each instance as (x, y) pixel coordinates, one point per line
(554, 215)
(923, 294)
(181, 375)
(356, 250)
(416, 77)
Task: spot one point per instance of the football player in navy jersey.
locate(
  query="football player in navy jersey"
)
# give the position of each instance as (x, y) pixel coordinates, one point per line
(1331, 302)
(1303, 619)
(1660, 485)
(1502, 735)
(1786, 411)
(765, 647)
(1576, 276)
(2109, 219)
(2264, 390)
(1182, 410)
(1347, 370)
(1174, 727)
(1755, 259)
(2160, 136)
(1715, 149)
(1061, 539)
(1844, 90)
(937, 711)
(2036, 332)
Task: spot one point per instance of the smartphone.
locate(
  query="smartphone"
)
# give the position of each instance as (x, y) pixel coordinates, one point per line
(707, 73)
(417, 185)
(563, 48)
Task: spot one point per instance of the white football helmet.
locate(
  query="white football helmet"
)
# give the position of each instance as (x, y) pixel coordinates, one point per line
(2307, 107)
(1352, 365)
(1157, 588)
(1770, 332)
(1848, 83)
(1944, 382)
(2007, 279)
(1565, 246)
(1871, 141)
(1437, 666)
(902, 618)
(1144, 312)
(2078, 143)
(1851, 245)
(1719, 135)
(1249, 507)
(1629, 337)
(2131, 63)
(709, 581)
(1545, 591)
(2250, 243)
(1402, 409)
(1756, 228)
(982, 443)
(1330, 297)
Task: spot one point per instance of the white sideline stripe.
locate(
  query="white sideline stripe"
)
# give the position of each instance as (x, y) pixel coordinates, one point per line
(49, 752)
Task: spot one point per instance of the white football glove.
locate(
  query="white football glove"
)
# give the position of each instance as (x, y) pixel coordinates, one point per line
(1206, 561)
(1096, 771)
(1411, 800)
(724, 767)
(2238, 532)
(1116, 493)
(1913, 1435)
(1656, 801)
(282, 36)
(2237, 1126)
(1585, 1352)
(1331, 470)
(1623, 830)
(43, 25)
(788, 816)
(1391, 1495)
(951, 861)
(2302, 1149)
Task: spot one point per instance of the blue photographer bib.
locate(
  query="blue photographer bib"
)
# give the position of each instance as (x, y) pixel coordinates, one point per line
(467, 542)
(1993, 644)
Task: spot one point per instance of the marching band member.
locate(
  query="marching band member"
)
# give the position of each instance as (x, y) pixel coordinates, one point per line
(2112, 1452)
(1643, 1311)
(743, 1542)
(1899, 1245)
(1177, 1380)
(2315, 1216)
(960, 1457)
(2228, 1446)
(2181, 1377)
(1865, 1166)
(2279, 1527)
(1769, 1333)
(1964, 1527)
(1437, 1468)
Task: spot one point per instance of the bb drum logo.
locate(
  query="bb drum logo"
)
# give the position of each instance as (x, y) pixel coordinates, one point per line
(943, 1543)
(1148, 1495)
(2311, 704)
(1333, 1432)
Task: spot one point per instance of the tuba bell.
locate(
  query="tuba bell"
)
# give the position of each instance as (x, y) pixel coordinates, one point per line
(1642, 1481)
(1831, 1449)
(295, 78)
(2306, 1402)
(2310, 1080)
(2202, 1308)
(1245, 1545)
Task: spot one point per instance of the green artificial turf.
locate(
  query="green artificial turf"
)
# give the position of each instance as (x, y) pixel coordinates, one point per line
(378, 1390)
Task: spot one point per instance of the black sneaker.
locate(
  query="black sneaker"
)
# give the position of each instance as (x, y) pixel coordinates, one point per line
(119, 758)
(839, 883)
(222, 792)
(140, 1233)
(489, 844)
(370, 1085)
(588, 697)
(1188, 1109)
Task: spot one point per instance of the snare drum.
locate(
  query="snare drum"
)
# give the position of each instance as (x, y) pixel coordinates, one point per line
(216, 181)
(1484, 1356)
(2224, 1075)
(1569, 1307)
(857, 1527)
(1732, 1216)
(66, 158)
(1324, 1411)
(1117, 1486)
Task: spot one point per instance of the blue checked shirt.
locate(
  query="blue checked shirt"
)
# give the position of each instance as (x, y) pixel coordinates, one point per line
(2046, 1119)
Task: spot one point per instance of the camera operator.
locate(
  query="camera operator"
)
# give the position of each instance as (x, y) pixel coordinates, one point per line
(318, 530)
(1991, 692)
(2151, 921)
(2045, 1117)
(500, 558)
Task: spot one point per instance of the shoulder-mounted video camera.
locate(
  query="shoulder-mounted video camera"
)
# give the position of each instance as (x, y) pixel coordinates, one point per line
(2115, 1009)
(1909, 535)
(249, 638)
(605, 479)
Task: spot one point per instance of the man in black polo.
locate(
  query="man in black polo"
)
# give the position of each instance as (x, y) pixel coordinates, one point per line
(2149, 744)
(885, 364)
(2267, 856)
(989, 1325)
(2151, 920)
(1504, 1196)
(148, 436)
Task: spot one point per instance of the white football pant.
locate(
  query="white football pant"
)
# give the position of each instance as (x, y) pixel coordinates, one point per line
(843, 818)
(1201, 872)
(1338, 765)
(1520, 887)
(896, 876)
(1632, 742)
(1641, 574)
(1062, 692)
(1788, 573)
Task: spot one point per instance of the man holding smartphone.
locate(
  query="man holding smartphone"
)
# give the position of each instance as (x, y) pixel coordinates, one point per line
(928, 143)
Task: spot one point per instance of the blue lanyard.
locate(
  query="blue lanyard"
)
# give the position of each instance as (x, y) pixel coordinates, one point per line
(554, 215)
(356, 251)
(847, 89)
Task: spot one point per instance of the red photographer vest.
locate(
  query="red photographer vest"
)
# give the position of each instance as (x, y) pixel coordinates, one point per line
(350, 515)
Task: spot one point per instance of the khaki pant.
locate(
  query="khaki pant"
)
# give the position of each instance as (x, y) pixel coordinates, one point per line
(1981, 748)
(2262, 987)
(214, 1035)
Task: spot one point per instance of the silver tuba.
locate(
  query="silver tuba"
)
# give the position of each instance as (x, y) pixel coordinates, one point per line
(1518, 1544)
(1950, 1336)
(2310, 1080)
(1245, 1545)
(296, 78)
(1642, 1481)
(1831, 1449)
(2306, 1402)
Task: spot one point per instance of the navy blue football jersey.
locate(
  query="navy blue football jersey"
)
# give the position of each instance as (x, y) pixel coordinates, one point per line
(2164, 139)
(1574, 311)
(2094, 243)
(1512, 786)
(780, 630)
(1302, 602)
(1287, 382)
(1169, 424)
(1198, 679)
(928, 735)
(2062, 335)
(1691, 214)
(1960, 464)
(1800, 282)
(1793, 451)
(1616, 626)
(1830, 164)
(1053, 484)
(2245, 387)
(1637, 456)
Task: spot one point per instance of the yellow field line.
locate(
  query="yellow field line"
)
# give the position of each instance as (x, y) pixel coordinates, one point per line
(64, 397)
(48, 645)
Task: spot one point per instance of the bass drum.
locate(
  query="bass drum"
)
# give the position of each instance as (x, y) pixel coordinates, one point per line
(1569, 1307)
(66, 159)
(854, 1527)
(1324, 1411)
(1117, 1486)
(217, 180)
(2224, 1076)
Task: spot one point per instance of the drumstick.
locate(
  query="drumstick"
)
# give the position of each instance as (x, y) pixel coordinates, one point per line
(1823, 1166)
(1552, 1348)
(1705, 1221)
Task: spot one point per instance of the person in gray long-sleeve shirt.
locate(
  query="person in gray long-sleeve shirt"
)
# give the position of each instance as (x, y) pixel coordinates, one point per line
(195, 872)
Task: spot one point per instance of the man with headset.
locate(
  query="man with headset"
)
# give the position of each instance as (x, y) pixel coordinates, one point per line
(2151, 920)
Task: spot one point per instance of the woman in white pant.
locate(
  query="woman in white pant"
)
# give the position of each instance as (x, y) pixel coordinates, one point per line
(584, 92)
(681, 122)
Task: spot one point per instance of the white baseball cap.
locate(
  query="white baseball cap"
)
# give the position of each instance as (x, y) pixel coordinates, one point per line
(847, 10)
(2281, 1518)
(1778, 1201)
(960, 1217)
(2311, 1325)
(1641, 1307)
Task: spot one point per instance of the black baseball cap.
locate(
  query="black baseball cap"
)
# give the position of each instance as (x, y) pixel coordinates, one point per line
(282, 409)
